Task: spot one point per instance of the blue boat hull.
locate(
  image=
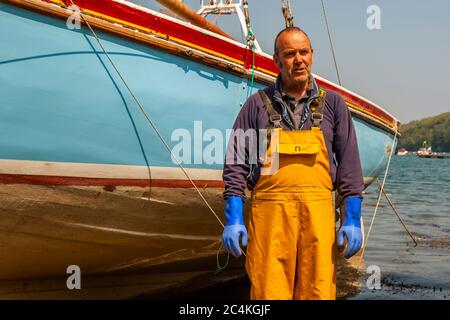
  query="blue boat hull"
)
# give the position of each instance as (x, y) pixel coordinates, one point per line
(62, 101)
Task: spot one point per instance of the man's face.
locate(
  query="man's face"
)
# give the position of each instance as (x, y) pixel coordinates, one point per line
(294, 57)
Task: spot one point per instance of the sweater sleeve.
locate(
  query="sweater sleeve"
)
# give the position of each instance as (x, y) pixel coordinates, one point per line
(242, 140)
(349, 178)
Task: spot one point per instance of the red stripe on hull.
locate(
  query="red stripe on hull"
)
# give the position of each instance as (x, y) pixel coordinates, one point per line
(79, 181)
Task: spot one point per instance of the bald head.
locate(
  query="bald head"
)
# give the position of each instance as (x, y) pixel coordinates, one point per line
(288, 30)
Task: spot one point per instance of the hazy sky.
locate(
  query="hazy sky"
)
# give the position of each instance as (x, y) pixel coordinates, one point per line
(404, 66)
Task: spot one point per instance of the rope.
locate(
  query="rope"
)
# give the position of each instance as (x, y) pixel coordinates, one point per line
(331, 43)
(250, 87)
(251, 44)
(379, 195)
(219, 268)
(396, 213)
(287, 13)
(148, 118)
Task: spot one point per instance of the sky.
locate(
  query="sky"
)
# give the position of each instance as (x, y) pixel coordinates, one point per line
(404, 66)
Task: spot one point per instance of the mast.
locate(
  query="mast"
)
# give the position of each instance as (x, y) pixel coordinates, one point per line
(187, 13)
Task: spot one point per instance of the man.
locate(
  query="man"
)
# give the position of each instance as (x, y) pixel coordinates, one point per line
(292, 236)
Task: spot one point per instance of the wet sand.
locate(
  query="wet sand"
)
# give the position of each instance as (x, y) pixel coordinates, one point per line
(234, 284)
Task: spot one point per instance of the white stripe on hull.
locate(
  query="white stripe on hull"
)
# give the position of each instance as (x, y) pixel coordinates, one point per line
(103, 171)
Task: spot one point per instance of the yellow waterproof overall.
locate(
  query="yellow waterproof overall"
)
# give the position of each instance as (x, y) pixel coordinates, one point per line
(291, 248)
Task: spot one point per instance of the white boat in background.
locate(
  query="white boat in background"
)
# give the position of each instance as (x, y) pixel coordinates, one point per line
(425, 152)
(430, 154)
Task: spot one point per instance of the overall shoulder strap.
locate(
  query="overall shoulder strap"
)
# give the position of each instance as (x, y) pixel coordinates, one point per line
(274, 116)
(317, 107)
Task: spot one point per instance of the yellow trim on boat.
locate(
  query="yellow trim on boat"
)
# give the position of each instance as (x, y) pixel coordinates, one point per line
(369, 113)
(58, 2)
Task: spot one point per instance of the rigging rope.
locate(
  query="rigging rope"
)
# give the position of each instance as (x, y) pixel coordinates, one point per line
(331, 43)
(250, 87)
(287, 13)
(148, 118)
(251, 44)
(379, 195)
(396, 213)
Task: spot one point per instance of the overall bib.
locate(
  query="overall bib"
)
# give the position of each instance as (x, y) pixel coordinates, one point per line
(292, 248)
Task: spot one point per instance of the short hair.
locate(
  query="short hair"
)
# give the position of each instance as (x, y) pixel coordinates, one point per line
(288, 29)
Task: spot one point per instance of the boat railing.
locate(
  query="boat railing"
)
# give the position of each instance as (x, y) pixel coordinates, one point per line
(227, 7)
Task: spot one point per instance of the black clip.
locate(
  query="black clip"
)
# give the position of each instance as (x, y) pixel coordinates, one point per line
(275, 119)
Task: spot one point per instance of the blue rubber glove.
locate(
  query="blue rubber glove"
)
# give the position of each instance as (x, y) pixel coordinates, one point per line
(351, 226)
(234, 227)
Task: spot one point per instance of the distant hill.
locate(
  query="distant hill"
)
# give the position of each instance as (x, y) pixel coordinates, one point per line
(434, 130)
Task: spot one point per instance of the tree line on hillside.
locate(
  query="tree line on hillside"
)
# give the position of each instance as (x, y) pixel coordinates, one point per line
(434, 130)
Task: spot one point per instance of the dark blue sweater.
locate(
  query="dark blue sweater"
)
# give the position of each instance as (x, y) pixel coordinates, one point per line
(338, 130)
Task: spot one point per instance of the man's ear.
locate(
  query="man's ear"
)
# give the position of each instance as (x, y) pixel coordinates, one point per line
(312, 56)
(277, 61)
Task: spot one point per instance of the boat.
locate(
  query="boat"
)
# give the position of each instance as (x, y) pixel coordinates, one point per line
(402, 152)
(426, 152)
(429, 154)
(85, 178)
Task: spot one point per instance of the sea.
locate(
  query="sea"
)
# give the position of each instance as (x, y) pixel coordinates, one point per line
(420, 192)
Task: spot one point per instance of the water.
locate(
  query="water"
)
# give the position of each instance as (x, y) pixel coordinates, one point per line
(420, 191)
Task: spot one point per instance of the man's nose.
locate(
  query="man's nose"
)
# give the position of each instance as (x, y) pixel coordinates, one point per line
(298, 58)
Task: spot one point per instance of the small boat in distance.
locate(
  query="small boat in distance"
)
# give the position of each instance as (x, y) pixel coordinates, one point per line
(402, 152)
(426, 152)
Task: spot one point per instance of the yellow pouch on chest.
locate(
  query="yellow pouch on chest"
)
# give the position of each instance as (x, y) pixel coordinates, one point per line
(298, 148)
